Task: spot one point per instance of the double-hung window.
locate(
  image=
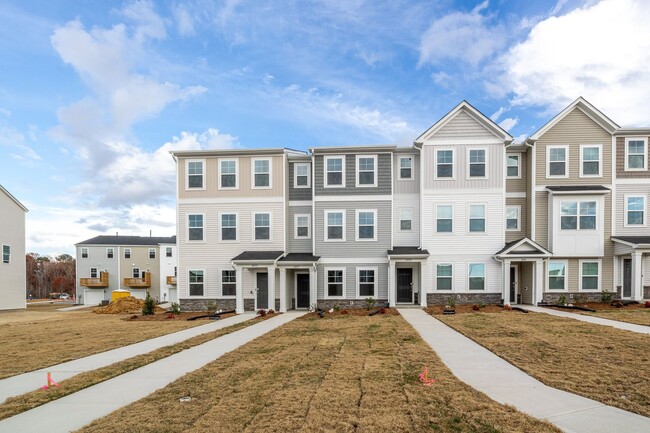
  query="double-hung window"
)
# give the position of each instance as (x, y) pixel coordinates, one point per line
(228, 178)
(196, 282)
(556, 275)
(589, 275)
(152, 253)
(110, 252)
(476, 221)
(512, 217)
(367, 282)
(228, 226)
(590, 160)
(303, 226)
(335, 283)
(557, 161)
(444, 218)
(262, 173)
(477, 163)
(578, 215)
(135, 272)
(194, 174)
(228, 283)
(301, 175)
(444, 164)
(94, 273)
(636, 153)
(127, 253)
(405, 219)
(335, 225)
(405, 167)
(168, 251)
(476, 274)
(334, 171)
(635, 210)
(444, 274)
(366, 230)
(195, 227)
(6, 254)
(84, 253)
(513, 165)
(262, 226)
(366, 170)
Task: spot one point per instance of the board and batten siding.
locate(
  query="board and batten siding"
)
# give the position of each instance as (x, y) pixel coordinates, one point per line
(351, 247)
(350, 289)
(463, 126)
(623, 190)
(512, 235)
(384, 168)
(406, 186)
(519, 185)
(406, 238)
(621, 173)
(299, 194)
(298, 245)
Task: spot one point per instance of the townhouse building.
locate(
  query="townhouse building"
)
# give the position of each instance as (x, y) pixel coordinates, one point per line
(138, 264)
(13, 279)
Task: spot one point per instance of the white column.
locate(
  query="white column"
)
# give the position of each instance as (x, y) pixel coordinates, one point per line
(637, 284)
(283, 290)
(391, 284)
(313, 293)
(239, 290)
(538, 283)
(425, 281)
(506, 282)
(271, 273)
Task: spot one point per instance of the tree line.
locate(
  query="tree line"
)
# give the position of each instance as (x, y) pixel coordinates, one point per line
(46, 275)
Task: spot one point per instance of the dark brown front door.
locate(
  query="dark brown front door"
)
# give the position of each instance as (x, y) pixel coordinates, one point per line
(513, 284)
(627, 278)
(404, 285)
(262, 290)
(302, 291)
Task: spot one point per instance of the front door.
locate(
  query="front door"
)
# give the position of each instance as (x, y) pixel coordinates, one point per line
(627, 278)
(404, 285)
(262, 290)
(513, 285)
(302, 291)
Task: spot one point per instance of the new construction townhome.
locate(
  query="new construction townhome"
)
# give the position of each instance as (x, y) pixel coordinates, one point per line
(465, 213)
(12, 241)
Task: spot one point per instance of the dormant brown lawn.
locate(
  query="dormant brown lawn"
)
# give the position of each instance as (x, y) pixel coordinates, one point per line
(639, 316)
(599, 362)
(339, 374)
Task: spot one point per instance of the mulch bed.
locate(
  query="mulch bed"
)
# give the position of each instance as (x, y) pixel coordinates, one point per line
(599, 306)
(353, 312)
(464, 309)
(164, 317)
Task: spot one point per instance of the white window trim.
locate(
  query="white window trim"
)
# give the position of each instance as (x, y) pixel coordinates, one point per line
(578, 226)
(548, 276)
(327, 158)
(221, 283)
(112, 250)
(399, 219)
(96, 272)
(187, 175)
(399, 169)
(125, 251)
(518, 155)
(485, 279)
(270, 239)
(344, 289)
(270, 173)
(149, 253)
(518, 207)
(600, 160)
(204, 284)
(295, 226)
(367, 268)
(8, 262)
(187, 222)
(645, 153)
(375, 171)
(325, 233)
(133, 272)
(170, 250)
(452, 277)
(228, 188)
(625, 210)
(84, 249)
(486, 163)
(566, 161)
(229, 241)
(435, 163)
(356, 225)
(600, 271)
(295, 175)
(453, 225)
(485, 218)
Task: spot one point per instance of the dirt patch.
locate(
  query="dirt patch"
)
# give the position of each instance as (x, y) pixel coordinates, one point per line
(602, 306)
(465, 309)
(126, 305)
(166, 316)
(344, 312)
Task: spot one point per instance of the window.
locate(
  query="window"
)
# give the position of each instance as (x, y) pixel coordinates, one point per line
(194, 174)
(634, 210)
(578, 215)
(303, 226)
(589, 160)
(476, 276)
(444, 218)
(444, 164)
(334, 171)
(476, 162)
(513, 165)
(636, 153)
(228, 174)
(228, 227)
(335, 225)
(262, 173)
(127, 253)
(366, 283)
(405, 167)
(262, 226)
(136, 273)
(195, 227)
(557, 161)
(109, 253)
(512, 217)
(335, 283)
(477, 218)
(84, 253)
(196, 282)
(405, 219)
(301, 175)
(228, 283)
(94, 273)
(366, 170)
(6, 254)
(589, 275)
(366, 225)
(152, 253)
(444, 277)
(556, 275)
(168, 251)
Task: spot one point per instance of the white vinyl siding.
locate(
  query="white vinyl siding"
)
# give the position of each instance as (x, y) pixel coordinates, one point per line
(444, 276)
(196, 282)
(445, 218)
(262, 226)
(6, 254)
(444, 164)
(635, 210)
(476, 276)
(195, 224)
(228, 283)
(477, 163)
(476, 222)
(406, 219)
(228, 231)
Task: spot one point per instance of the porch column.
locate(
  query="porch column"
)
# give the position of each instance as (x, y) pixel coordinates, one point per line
(425, 281)
(391, 283)
(239, 290)
(538, 283)
(506, 282)
(283, 290)
(637, 284)
(313, 293)
(271, 294)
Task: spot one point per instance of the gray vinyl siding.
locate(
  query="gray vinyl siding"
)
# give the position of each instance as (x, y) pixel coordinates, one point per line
(463, 126)
(406, 186)
(350, 289)
(298, 193)
(384, 168)
(97, 259)
(623, 190)
(404, 238)
(298, 245)
(350, 247)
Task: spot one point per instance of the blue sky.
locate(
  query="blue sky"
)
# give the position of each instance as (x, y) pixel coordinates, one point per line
(94, 94)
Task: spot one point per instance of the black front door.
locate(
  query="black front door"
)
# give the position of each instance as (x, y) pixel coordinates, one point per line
(302, 291)
(627, 278)
(404, 285)
(262, 290)
(513, 285)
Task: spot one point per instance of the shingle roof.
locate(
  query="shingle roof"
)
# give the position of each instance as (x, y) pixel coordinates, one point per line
(258, 255)
(300, 257)
(571, 188)
(129, 240)
(407, 251)
(634, 239)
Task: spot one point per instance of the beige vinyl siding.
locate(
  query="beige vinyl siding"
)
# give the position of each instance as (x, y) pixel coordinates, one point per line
(573, 271)
(298, 245)
(646, 269)
(406, 186)
(381, 280)
(623, 190)
(523, 219)
(541, 218)
(526, 275)
(402, 238)
(463, 126)
(518, 185)
(620, 162)
(529, 193)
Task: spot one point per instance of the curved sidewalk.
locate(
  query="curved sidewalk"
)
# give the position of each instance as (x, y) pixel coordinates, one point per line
(641, 329)
(26, 382)
(503, 382)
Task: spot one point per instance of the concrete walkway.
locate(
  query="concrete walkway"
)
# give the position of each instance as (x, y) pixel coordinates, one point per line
(591, 319)
(76, 410)
(501, 381)
(17, 385)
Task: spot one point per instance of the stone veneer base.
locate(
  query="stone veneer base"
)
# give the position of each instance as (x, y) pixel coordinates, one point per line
(573, 297)
(326, 304)
(464, 298)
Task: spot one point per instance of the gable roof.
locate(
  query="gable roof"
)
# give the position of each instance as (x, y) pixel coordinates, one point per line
(633, 241)
(583, 105)
(129, 240)
(523, 247)
(14, 199)
(479, 117)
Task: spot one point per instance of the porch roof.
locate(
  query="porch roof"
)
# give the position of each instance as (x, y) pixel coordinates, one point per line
(633, 241)
(575, 189)
(412, 252)
(258, 256)
(298, 258)
(523, 248)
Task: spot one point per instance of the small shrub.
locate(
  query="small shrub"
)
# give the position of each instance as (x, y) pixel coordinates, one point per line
(370, 303)
(337, 307)
(176, 308)
(476, 307)
(561, 300)
(451, 304)
(271, 311)
(607, 297)
(149, 306)
(647, 304)
(261, 312)
(481, 304)
(212, 306)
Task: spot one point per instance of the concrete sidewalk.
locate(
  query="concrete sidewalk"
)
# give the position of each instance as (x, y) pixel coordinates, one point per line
(591, 319)
(501, 381)
(76, 410)
(17, 385)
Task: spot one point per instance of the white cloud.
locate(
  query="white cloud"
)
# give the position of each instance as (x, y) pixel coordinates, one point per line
(14, 141)
(441, 78)
(508, 123)
(5, 112)
(149, 24)
(599, 51)
(495, 116)
(184, 21)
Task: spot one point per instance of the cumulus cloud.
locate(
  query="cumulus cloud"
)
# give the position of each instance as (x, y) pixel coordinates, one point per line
(18, 149)
(508, 123)
(184, 21)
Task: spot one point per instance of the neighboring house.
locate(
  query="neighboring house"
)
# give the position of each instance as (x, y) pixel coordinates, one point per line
(133, 263)
(12, 241)
(168, 272)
